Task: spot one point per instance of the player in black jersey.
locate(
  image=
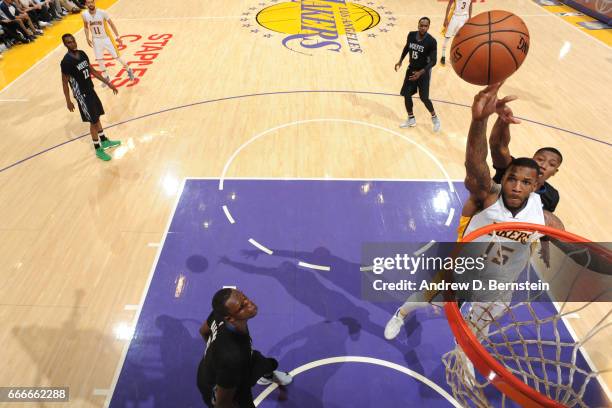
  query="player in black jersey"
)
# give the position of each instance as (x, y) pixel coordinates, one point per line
(77, 72)
(230, 366)
(548, 158)
(422, 48)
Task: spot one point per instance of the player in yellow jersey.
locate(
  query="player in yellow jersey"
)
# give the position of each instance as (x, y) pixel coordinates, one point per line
(96, 23)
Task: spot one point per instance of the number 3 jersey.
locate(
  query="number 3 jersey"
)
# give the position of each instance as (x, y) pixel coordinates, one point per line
(507, 252)
(77, 68)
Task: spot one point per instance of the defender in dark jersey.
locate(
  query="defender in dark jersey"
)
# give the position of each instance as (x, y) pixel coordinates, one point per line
(230, 366)
(77, 72)
(548, 158)
(422, 49)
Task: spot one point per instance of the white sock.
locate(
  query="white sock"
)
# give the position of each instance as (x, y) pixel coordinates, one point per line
(414, 302)
(444, 46)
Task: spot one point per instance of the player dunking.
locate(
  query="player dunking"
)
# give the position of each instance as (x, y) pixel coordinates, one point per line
(96, 23)
(77, 72)
(514, 200)
(461, 12)
(422, 50)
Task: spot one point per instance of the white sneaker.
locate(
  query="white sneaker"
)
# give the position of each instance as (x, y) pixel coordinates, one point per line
(394, 325)
(43, 24)
(436, 123)
(278, 377)
(410, 122)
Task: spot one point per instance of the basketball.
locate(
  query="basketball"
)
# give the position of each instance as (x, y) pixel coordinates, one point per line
(490, 47)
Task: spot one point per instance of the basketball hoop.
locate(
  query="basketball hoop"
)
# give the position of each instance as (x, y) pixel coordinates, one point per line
(521, 351)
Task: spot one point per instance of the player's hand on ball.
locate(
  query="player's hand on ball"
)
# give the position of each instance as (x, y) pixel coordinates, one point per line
(398, 66)
(485, 102)
(70, 106)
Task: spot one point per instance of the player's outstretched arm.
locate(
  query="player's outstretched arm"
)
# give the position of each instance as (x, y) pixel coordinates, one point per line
(499, 140)
(477, 176)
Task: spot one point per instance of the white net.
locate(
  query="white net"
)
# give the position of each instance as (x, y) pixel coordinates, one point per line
(533, 339)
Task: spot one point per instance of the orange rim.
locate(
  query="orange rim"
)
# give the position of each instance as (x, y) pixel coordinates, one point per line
(486, 365)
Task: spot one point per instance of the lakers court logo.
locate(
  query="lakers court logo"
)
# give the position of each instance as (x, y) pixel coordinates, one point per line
(316, 26)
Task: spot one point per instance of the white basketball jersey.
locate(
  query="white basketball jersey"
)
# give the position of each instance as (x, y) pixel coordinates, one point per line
(97, 23)
(508, 252)
(462, 7)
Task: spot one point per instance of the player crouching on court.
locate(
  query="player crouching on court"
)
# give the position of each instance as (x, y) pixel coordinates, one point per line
(230, 367)
(77, 72)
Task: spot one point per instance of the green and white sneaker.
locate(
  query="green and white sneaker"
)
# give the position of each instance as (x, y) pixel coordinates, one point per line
(107, 144)
(102, 155)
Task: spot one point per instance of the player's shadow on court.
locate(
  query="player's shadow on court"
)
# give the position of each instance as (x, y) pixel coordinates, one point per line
(305, 287)
(169, 378)
(327, 339)
(39, 342)
(370, 108)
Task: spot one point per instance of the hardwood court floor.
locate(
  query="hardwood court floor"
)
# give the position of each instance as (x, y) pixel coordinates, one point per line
(78, 236)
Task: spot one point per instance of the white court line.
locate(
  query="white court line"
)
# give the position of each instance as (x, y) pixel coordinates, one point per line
(313, 266)
(450, 217)
(153, 244)
(126, 346)
(586, 356)
(131, 307)
(424, 248)
(261, 247)
(354, 122)
(366, 360)
(228, 215)
(328, 179)
(14, 100)
(100, 391)
(569, 24)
